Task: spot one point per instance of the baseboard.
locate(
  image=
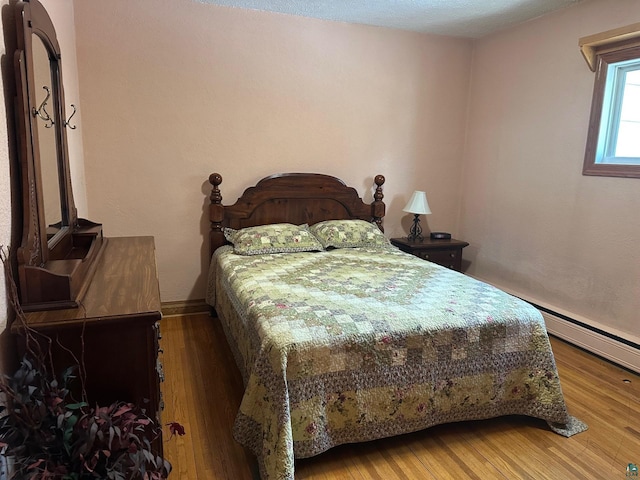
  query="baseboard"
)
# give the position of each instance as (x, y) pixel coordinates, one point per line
(184, 307)
(601, 344)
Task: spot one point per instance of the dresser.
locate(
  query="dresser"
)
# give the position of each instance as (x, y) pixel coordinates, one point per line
(116, 326)
(447, 253)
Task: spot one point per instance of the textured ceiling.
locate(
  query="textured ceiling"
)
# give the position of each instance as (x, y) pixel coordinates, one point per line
(463, 18)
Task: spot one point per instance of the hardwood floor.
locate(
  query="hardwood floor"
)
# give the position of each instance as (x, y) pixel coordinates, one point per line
(203, 390)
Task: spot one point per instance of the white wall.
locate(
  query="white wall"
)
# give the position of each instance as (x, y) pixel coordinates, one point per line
(173, 91)
(536, 225)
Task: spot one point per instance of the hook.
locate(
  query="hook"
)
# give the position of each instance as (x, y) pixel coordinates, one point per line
(66, 122)
(41, 112)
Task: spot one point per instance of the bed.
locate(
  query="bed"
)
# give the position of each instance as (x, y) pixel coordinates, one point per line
(341, 337)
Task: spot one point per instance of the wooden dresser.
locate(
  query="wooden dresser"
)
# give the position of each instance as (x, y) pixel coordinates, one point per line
(119, 315)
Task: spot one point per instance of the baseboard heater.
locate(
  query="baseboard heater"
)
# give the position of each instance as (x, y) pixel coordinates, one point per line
(599, 342)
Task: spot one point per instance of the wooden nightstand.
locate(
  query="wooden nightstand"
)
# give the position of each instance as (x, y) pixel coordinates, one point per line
(447, 253)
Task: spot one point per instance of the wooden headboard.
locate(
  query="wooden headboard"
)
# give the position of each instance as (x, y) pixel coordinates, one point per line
(292, 198)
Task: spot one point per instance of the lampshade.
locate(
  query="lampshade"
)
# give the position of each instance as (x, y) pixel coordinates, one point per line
(418, 204)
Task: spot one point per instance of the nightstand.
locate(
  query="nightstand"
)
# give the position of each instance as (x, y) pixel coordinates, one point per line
(447, 253)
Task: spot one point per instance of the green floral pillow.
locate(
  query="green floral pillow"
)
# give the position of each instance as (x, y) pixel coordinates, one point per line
(348, 233)
(274, 238)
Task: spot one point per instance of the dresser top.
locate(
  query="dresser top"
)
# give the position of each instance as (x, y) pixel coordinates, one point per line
(429, 243)
(124, 285)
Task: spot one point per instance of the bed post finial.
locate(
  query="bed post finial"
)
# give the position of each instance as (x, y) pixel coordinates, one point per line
(378, 207)
(216, 214)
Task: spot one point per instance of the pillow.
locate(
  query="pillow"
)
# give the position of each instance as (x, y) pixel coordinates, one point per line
(274, 238)
(348, 233)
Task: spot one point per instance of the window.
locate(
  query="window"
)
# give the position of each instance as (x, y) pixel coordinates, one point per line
(613, 142)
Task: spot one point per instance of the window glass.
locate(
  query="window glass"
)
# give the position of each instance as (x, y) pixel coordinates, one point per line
(628, 139)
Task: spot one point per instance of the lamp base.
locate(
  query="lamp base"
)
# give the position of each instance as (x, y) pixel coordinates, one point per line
(415, 233)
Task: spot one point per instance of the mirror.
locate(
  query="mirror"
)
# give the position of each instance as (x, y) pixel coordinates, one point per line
(49, 170)
(59, 251)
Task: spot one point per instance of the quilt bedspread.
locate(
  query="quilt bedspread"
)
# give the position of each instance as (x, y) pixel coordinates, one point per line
(355, 344)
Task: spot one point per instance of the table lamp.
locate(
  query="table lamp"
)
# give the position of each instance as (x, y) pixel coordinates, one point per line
(417, 205)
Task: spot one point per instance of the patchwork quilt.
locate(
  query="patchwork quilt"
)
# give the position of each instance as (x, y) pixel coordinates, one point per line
(354, 344)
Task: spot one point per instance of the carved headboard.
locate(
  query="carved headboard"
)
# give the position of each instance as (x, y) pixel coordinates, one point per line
(292, 198)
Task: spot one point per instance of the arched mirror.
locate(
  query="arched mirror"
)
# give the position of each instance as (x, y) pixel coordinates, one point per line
(58, 252)
(52, 199)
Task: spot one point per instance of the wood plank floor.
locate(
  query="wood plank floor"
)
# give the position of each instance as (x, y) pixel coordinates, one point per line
(203, 390)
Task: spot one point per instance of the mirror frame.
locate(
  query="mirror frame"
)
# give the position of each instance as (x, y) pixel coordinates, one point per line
(53, 273)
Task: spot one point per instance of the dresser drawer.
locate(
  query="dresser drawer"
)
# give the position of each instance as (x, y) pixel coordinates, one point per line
(447, 253)
(446, 258)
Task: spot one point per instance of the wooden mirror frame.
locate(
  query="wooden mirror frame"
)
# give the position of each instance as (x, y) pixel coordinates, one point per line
(55, 272)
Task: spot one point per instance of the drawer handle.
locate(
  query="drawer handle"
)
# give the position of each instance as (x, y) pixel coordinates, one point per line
(426, 256)
(452, 255)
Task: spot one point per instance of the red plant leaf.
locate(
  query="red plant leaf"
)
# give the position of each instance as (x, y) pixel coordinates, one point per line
(176, 429)
(35, 464)
(122, 409)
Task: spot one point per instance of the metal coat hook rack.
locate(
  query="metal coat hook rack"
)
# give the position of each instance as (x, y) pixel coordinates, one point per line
(42, 112)
(66, 122)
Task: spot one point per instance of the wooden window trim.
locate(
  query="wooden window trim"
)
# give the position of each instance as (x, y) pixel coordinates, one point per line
(599, 51)
(611, 40)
